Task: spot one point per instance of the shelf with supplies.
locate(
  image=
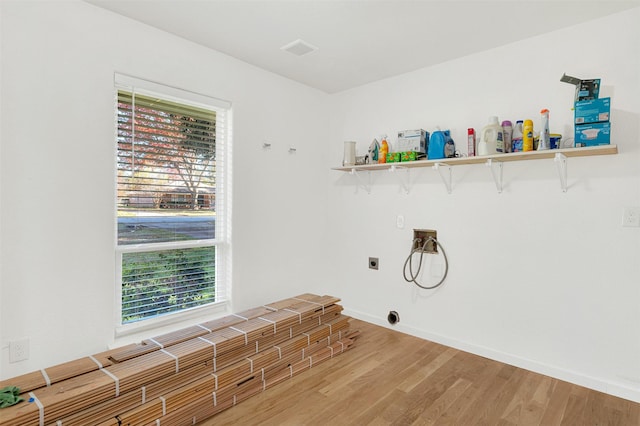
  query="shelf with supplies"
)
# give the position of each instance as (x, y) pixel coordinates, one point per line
(495, 162)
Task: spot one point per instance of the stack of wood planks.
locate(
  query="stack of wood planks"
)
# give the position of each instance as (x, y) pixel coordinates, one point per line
(184, 377)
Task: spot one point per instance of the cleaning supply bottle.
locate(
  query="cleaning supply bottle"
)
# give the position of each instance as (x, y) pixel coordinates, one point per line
(516, 137)
(384, 150)
(491, 137)
(437, 141)
(527, 136)
(544, 142)
(471, 142)
(507, 130)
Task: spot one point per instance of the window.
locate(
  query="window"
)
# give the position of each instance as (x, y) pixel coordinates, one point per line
(170, 200)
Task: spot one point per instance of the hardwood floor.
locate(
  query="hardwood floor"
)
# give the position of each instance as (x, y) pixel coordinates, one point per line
(390, 378)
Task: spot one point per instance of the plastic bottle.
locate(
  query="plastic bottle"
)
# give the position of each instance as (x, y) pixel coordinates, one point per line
(384, 150)
(527, 136)
(507, 131)
(471, 142)
(491, 137)
(544, 142)
(516, 137)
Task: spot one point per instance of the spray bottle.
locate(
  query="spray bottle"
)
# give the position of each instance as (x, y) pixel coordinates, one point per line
(544, 142)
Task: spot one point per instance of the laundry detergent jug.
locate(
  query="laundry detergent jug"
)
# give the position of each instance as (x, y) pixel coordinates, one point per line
(491, 137)
(441, 145)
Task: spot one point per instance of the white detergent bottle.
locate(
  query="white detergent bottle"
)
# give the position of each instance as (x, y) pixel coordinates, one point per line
(491, 137)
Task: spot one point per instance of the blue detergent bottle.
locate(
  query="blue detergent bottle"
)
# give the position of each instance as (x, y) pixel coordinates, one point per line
(441, 145)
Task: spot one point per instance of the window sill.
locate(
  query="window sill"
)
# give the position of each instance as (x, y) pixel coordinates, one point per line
(135, 332)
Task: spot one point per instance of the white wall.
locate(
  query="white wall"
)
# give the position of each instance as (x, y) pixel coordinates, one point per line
(539, 278)
(57, 172)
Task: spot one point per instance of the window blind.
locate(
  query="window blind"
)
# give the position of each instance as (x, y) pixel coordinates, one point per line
(166, 164)
(165, 281)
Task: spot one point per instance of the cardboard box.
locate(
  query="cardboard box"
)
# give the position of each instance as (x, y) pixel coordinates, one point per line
(592, 111)
(412, 140)
(393, 157)
(593, 134)
(588, 89)
(585, 89)
(408, 156)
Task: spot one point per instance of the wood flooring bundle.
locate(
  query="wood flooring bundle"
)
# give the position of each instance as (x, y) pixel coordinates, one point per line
(57, 373)
(227, 354)
(282, 366)
(205, 407)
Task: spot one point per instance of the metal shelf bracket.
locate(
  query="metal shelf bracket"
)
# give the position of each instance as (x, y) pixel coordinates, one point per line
(561, 165)
(497, 175)
(403, 177)
(446, 177)
(366, 184)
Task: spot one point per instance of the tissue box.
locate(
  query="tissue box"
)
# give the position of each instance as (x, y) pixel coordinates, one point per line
(412, 140)
(592, 111)
(593, 134)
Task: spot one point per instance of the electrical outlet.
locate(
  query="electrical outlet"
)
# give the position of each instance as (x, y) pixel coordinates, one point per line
(631, 217)
(19, 350)
(422, 235)
(373, 263)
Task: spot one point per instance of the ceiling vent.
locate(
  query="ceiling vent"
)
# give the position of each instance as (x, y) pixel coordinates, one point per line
(299, 47)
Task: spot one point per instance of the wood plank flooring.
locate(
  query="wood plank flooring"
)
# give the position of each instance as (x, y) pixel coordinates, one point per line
(390, 378)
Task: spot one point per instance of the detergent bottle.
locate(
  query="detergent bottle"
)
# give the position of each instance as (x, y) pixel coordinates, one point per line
(441, 145)
(507, 130)
(384, 150)
(491, 137)
(516, 137)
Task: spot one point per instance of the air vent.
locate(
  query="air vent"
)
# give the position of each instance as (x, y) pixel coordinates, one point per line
(299, 47)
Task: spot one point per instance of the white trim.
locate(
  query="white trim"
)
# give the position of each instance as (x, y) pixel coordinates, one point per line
(147, 87)
(620, 390)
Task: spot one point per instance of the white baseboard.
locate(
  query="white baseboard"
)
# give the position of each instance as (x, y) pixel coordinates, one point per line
(620, 390)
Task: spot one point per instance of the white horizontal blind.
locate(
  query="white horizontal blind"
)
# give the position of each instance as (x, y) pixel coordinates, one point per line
(166, 281)
(166, 197)
(166, 164)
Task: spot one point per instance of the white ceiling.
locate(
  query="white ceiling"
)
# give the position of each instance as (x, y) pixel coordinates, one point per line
(359, 41)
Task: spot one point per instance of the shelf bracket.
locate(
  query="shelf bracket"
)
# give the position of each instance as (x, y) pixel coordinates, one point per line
(561, 165)
(366, 184)
(403, 177)
(446, 177)
(497, 175)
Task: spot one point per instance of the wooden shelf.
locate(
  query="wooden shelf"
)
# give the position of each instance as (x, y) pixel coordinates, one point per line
(514, 156)
(493, 161)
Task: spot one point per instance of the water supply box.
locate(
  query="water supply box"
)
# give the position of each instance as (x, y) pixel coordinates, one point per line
(592, 111)
(412, 140)
(593, 134)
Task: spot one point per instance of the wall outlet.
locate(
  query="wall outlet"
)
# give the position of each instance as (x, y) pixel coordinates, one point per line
(373, 263)
(631, 217)
(19, 350)
(422, 235)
